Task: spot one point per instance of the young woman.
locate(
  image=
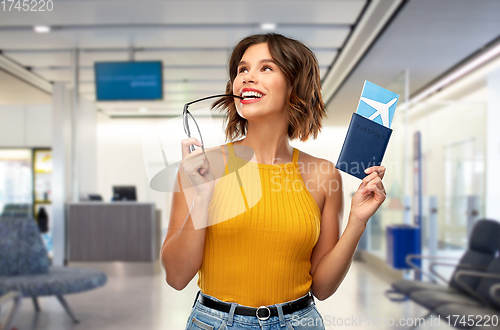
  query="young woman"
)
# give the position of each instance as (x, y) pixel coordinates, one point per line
(262, 268)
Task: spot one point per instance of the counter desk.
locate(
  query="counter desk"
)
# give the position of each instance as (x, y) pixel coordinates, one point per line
(120, 238)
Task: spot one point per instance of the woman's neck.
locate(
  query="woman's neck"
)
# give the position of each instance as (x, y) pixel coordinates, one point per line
(269, 147)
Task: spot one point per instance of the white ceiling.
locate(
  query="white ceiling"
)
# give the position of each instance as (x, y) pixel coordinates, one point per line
(192, 38)
(195, 38)
(428, 38)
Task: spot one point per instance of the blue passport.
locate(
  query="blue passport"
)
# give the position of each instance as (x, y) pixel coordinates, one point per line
(364, 146)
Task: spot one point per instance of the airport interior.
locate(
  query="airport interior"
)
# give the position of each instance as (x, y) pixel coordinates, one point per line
(93, 100)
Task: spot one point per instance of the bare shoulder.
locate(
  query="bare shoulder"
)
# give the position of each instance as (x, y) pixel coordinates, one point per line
(316, 166)
(321, 178)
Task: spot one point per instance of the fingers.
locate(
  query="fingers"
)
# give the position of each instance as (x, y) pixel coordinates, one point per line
(372, 173)
(188, 142)
(195, 162)
(376, 169)
(193, 158)
(367, 179)
(377, 187)
(192, 167)
(373, 182)
(205, 166)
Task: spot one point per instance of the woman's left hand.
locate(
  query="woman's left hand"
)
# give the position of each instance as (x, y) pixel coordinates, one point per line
(370, 194)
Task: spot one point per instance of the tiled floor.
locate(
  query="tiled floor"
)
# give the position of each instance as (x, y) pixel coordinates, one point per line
(149, 303)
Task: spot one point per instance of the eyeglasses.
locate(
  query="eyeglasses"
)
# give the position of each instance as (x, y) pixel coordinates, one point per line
(185, 114)
(185, 118)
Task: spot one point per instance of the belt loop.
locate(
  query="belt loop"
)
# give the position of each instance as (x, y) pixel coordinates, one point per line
(231, 313)
(195, 299)
(280, 315)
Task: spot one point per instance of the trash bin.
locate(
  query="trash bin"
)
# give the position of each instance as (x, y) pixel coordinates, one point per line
(402, 240)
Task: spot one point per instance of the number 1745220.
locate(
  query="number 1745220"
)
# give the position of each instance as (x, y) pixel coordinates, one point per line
(26, 5)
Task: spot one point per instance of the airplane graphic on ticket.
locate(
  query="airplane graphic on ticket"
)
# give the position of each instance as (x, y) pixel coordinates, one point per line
(377, 104)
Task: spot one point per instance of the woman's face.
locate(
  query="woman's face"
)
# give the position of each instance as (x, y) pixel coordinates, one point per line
(260, 81)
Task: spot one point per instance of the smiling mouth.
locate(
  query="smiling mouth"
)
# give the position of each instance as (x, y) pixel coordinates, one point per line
(250, 95)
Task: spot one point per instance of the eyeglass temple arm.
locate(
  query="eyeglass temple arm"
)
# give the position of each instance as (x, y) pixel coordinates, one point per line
(209, 97)
(186, 127)
(186, 111)
(201, 137)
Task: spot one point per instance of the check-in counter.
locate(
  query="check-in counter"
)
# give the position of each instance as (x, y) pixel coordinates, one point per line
(120, 238)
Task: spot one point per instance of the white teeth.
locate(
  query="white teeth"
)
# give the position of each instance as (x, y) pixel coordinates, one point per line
(249, 94)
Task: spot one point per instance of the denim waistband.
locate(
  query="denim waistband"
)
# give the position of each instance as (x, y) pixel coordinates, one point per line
(231, 316)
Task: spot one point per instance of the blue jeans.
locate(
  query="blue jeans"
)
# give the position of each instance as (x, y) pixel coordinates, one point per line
(206, 318)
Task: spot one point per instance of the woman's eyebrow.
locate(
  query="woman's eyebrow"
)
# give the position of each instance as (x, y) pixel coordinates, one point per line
(266, 60)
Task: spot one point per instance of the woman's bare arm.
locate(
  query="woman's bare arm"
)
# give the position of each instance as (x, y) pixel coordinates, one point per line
(332, 256)
(182, 251)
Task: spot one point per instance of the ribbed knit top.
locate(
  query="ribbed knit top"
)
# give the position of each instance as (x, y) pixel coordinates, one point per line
(263, 226)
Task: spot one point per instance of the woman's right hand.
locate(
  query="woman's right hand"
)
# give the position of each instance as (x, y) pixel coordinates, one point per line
(197, 168)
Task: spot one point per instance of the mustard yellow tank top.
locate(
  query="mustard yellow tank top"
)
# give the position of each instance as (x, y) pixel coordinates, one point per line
(263, 226)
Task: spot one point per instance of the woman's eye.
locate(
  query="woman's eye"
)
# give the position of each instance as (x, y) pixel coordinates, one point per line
(267, 68)
(241, 70)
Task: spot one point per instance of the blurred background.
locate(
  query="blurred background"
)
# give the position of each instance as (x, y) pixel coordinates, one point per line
(71, 136)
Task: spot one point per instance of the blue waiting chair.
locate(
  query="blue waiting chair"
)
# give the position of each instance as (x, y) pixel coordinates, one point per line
(482, 248)
(25, 266)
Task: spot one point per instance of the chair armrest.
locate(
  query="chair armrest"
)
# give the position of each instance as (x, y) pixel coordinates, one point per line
(17, 298)
(463, 285)
(434, 272)
(494, 292)
(416, 268)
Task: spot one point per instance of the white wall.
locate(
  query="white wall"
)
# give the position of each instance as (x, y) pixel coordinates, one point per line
(26, 125)
(120, 160)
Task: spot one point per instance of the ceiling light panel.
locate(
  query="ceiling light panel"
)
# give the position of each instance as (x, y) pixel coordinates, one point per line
(268, 26)
(195, 73)
(88, 58)
(195, 37)
(186, 87)
(333, 37)
(195, 57)
(41, 29)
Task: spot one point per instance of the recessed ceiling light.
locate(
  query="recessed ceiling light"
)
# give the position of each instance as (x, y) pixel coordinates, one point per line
(268, 26)
(41, 28)
(143, 110)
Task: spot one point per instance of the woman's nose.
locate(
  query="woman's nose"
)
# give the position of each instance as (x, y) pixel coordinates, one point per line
(247, 77)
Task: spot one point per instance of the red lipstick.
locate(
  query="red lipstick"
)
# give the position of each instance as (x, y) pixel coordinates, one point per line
(251, 100)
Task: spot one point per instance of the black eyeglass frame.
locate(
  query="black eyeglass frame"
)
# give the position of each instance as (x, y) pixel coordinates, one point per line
(186, 112)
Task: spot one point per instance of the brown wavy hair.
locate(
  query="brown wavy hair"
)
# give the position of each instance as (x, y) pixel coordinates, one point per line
(300, 67)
